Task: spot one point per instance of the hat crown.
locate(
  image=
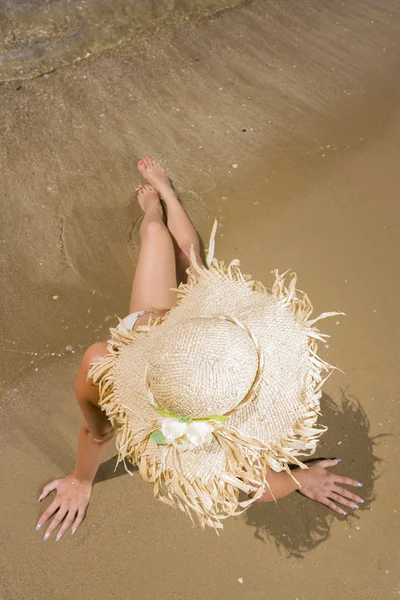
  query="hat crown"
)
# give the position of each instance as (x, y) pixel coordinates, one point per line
(206, 366)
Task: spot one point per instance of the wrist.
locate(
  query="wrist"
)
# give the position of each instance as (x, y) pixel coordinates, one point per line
(302, 477)
(81, 480)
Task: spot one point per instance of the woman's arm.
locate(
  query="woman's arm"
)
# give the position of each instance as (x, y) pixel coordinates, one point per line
(96, 430)
(316, 483)
(73, 492)
(90, 453)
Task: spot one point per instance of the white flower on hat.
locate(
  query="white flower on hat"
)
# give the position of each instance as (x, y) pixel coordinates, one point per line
(183, 433)
(173, 429)
(199, 433)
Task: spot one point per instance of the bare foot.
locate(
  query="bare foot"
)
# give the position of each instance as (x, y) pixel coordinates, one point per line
(153, 172)
(148, 198)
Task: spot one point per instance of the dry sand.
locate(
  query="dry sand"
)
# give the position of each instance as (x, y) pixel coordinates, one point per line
(304, 98)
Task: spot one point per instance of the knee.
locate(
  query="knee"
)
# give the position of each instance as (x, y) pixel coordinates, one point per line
(84, 387)
(153, 229)
(184, 256)
(185, 249)
(94, 352)
(186, 246)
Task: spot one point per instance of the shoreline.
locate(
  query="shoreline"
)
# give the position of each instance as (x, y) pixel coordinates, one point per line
(40, 37)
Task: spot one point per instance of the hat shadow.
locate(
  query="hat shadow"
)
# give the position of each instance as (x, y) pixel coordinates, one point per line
(297, 524)
(110, 470)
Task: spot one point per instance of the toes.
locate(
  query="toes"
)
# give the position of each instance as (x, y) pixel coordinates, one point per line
(144, 163)
(146, 188)
(150, 163)
(160, 167)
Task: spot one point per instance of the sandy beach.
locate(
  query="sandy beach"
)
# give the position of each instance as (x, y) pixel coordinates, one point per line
(283, 121)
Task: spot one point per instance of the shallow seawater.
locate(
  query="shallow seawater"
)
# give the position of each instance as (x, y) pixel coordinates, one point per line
(39, 36)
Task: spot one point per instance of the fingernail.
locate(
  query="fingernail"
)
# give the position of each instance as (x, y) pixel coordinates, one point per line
(39, 499)
(355, 506)
(361, 501)
(58, 537)
(46, 537)
(38, 526)
(344, 513)
(141, 163)
(338, 460)
(73, 531)
(358, 484)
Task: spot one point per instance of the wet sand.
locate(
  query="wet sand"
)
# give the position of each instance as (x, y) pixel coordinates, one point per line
(305, 100)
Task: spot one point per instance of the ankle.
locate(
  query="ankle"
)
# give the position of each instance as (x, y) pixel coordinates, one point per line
(151, 206)
(167, 192)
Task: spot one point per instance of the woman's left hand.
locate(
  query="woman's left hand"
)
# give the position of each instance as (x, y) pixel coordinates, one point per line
(319, 484)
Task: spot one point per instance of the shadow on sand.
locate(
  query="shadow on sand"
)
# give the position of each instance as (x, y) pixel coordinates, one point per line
(296, 524)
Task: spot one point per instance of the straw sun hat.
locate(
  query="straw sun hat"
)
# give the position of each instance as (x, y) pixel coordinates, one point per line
(223, 386)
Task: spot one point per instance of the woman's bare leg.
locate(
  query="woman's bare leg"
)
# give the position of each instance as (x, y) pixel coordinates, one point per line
(155, 271)
(155, 275)
(178, 222)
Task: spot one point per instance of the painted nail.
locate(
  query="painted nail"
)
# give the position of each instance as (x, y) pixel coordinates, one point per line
(46, 537)
(344, 513)
(358, 484)
(355, 506)
(361, 501)
(338, 460)
(141, 163)
(73, 531)
(38, 526)
(58, 537)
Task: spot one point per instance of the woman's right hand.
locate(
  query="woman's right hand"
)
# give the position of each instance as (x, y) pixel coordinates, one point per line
(68, 506)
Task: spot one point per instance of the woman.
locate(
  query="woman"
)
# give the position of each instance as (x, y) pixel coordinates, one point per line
(167, 252)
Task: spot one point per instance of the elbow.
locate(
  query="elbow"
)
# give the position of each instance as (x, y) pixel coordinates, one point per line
(101, 437)
(103, 440)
